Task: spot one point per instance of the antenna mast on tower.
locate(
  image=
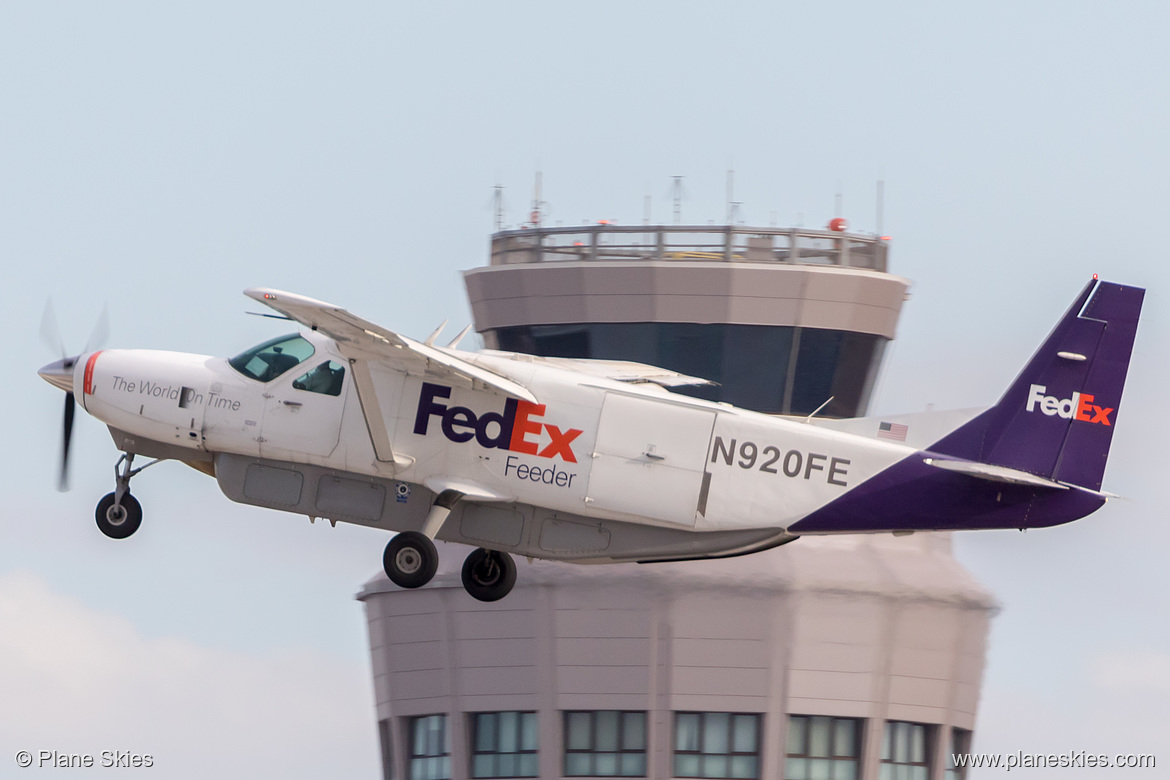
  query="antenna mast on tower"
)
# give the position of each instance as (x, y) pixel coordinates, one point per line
(676, 192)
(732, 204)
(534, 217)
(498, 206)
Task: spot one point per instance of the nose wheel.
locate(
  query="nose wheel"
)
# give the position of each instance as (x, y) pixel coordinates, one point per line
(118, 520)
(119, 514)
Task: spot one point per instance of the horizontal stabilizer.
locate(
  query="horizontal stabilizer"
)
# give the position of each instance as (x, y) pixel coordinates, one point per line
(993, 473)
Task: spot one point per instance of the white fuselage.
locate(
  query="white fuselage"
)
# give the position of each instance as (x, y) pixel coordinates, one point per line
(592, 447)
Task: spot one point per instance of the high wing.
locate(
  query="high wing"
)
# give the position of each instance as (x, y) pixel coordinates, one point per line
(363, 342)
(617, 370)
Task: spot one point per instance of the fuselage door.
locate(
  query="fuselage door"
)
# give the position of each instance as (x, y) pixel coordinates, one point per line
(649, 458)
(302, 412)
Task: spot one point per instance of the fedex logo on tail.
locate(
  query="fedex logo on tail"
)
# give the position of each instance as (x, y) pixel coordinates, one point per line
(1079, 407)
(515, 429)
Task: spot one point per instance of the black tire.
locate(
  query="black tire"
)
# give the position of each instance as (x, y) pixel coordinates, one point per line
(410, 560)
(488, 575)
(121, 521)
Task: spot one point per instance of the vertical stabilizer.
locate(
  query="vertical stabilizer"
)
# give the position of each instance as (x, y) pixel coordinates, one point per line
(1057, 418)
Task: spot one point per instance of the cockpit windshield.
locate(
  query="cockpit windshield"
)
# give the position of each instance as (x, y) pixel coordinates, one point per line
(272, 358)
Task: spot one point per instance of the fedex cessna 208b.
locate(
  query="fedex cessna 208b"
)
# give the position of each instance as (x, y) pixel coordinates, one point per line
(591, 461)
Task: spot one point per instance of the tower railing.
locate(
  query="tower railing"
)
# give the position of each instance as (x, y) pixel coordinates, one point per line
(689, 243)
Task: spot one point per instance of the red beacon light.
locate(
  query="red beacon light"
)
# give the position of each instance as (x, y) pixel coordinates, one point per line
(838, 224)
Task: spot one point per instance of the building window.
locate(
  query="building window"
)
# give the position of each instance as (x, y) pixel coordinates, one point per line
(960, 744)
(430, 748)
(504, 744)
(822, 748)
(749, 363)
(605, 743)
(716, 744)
(906, 751)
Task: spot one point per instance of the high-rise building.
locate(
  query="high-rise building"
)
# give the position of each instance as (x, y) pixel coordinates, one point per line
(832, 658)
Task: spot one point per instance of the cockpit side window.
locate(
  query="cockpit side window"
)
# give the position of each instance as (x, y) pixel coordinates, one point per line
(325, 379)
(272, 358)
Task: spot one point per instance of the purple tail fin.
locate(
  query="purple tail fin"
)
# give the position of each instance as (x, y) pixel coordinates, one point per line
(1057, 418)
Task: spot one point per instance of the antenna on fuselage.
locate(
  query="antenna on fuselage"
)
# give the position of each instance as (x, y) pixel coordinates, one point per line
(815, 411)
(270, 316)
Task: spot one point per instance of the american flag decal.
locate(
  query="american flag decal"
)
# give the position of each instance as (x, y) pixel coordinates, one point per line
(895, 431)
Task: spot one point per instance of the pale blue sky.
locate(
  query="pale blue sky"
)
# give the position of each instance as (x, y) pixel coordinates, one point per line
(159, 159)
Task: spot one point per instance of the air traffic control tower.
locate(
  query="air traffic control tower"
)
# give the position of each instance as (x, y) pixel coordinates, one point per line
(782, 319)
(833, 658)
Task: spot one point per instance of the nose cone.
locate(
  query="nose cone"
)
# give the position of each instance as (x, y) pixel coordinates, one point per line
(60, 373)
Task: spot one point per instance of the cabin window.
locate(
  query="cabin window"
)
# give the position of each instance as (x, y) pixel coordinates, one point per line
(272, 358)
(325, 379)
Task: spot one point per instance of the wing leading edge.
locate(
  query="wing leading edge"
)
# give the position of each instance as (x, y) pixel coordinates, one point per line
(363, 342)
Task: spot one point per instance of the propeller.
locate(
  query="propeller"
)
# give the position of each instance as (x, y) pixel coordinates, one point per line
(60, 373)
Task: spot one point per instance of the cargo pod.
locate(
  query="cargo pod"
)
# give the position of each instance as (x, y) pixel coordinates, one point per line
(649, 458)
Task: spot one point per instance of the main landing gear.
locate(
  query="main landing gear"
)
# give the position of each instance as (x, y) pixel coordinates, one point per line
(411, 559)
(119, 514)
(488, 575)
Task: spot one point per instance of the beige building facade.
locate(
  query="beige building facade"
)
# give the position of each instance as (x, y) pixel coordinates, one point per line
(847, 657)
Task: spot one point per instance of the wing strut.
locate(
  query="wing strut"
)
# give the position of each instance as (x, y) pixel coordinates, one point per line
(372, 411)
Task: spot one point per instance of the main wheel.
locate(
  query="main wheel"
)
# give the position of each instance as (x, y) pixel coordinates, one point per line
(488, 575)
(410, 560)
(118, 522)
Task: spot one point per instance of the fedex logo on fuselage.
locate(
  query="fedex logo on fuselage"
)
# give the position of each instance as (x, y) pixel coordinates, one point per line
(515, 429)
(1079, 407)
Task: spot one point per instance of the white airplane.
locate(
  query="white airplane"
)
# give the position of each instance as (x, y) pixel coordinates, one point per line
(590, 461)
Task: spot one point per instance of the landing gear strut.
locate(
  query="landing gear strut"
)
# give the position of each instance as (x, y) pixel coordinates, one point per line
(411, 559)
(119, 514)
(488, 575)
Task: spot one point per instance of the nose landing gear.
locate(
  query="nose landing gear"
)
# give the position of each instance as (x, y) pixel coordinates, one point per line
(119, 514)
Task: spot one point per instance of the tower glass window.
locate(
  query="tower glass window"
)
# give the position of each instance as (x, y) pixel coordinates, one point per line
(716, 744)
(605, 743)
(504, 744)
(430, 748)
(771, 369)
(960, 744)
(906, 751)
(822, 748)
